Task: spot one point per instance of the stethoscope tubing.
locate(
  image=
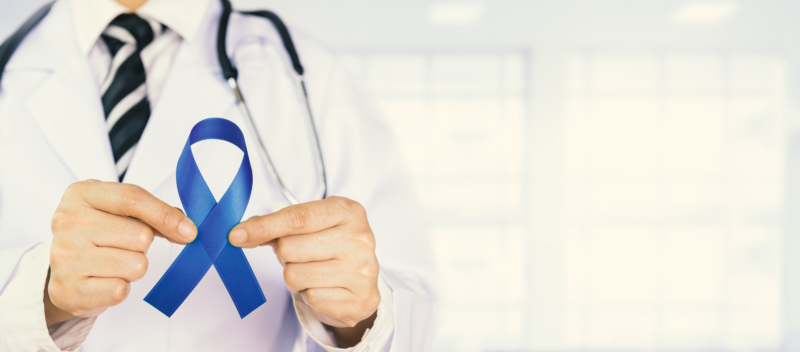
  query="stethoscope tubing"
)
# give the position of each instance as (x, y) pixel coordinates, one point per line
(230, 73)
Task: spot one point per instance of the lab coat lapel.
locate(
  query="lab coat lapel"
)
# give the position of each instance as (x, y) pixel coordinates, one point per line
(66, 105)
(194, 90)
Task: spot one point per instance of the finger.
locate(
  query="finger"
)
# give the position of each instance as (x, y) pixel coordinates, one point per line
(314, 247)
(332, 306)
(104, 291)
(131, 200)
(331, 273)
(320, 298)
(108, 230)
(294, 220)
(113, 263)
(89, 294)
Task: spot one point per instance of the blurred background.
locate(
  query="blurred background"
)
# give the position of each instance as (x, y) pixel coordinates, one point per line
(598, 175)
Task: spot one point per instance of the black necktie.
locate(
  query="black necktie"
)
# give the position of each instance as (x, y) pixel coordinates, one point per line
(125, 102)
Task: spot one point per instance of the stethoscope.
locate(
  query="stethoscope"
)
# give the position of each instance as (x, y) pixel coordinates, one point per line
(230, 73)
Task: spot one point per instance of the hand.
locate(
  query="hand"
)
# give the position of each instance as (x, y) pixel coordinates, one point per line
(328, 252)
(101, 231)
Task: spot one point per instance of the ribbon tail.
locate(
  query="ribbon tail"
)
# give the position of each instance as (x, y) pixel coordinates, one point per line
(180, 279)
(239, 280)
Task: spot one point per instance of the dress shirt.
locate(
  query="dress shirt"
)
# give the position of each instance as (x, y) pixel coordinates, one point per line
(182, 18)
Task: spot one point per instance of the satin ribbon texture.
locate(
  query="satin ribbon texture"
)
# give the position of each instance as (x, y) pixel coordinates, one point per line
(214, 220)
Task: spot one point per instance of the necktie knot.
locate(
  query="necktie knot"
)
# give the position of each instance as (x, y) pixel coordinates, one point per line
(129, 28)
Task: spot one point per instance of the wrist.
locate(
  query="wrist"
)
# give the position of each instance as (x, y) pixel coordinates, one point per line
(52, 314)
(349, 337)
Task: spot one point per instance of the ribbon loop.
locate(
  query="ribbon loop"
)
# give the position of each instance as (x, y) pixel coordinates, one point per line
(214, 220)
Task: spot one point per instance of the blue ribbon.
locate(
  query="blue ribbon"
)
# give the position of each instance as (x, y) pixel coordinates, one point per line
(211, 247)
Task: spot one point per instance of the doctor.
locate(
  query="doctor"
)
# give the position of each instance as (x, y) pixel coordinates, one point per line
(103, 91)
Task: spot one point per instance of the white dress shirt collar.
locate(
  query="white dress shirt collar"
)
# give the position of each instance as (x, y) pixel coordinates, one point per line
(93, 16)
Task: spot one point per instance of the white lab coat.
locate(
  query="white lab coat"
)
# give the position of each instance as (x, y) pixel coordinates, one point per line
(53, 133)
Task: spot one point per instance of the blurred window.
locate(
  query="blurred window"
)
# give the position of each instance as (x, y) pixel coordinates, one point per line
(460, 121)
(672, 197)
(674, 183)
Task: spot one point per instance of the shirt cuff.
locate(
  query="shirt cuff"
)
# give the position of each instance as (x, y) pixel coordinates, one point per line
(379, 335)
(23, 298)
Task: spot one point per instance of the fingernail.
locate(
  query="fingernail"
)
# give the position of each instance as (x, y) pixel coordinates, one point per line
(238, 236)
(186, 230)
